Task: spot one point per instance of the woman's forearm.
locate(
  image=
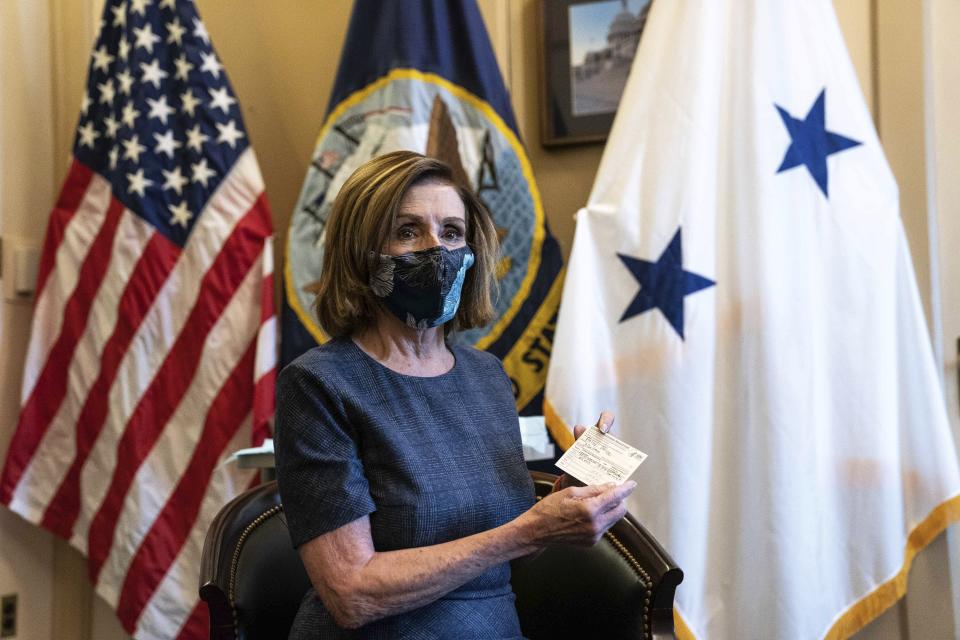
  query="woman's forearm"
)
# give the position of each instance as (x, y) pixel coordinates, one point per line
(393, 582)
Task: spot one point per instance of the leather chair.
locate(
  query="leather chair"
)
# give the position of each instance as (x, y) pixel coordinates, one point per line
(253, 581)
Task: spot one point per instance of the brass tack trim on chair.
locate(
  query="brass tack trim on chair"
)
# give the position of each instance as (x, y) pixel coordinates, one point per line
(643, 575)
(236, 555)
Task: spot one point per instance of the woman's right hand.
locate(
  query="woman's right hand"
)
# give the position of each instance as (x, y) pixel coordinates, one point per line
(578, 515)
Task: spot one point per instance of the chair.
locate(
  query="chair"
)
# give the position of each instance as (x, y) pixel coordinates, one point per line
(253, 581)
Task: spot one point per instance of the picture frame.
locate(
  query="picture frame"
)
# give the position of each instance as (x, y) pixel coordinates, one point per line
(587, 49)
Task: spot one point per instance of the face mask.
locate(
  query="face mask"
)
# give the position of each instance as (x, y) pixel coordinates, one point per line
(421, 288)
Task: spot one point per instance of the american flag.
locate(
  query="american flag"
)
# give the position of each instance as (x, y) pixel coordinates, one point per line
(152, 354)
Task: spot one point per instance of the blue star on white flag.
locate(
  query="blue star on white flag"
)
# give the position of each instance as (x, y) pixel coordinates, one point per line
(810, 142)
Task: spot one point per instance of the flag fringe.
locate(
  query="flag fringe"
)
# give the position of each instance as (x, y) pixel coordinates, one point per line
(681, 630)
(869, 608)
(561, 432)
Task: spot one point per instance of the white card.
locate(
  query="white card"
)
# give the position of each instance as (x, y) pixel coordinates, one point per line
(598, 458)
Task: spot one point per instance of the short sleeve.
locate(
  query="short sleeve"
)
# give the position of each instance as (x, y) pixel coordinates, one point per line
(319, 471)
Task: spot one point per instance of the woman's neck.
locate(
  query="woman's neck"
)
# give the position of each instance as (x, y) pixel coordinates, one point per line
(416, 352)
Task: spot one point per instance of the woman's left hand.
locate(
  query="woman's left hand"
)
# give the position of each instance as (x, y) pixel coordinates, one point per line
(603, 423)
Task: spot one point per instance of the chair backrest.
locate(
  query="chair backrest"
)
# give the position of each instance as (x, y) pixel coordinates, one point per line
(252, 578)
(622, 587)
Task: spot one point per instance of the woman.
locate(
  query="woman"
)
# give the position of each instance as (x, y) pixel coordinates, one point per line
(398, 454)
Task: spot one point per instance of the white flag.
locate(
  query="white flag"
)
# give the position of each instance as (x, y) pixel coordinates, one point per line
(740, 293)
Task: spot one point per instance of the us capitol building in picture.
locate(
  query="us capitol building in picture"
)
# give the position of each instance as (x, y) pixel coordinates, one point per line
(622, 40)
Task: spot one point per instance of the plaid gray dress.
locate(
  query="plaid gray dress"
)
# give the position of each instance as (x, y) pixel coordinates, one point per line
(428, 459)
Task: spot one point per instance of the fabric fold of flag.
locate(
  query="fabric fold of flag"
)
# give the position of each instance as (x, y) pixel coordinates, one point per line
(153, 346)
(740, 293)
(421, 75)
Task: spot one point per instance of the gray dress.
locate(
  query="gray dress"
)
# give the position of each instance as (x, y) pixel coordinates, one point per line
(428, 459)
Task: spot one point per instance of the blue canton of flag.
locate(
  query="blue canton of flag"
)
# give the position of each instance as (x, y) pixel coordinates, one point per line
(159, 119)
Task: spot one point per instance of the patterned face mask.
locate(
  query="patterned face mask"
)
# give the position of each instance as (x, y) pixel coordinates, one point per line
(421, 288)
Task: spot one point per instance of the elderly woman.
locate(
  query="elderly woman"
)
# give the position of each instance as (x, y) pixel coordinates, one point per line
(398, 452)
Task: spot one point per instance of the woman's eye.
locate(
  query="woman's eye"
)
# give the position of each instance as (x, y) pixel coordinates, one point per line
(452, 233)
(405, 233)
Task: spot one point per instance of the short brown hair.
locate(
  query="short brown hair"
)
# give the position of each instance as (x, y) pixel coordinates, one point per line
(360, 222)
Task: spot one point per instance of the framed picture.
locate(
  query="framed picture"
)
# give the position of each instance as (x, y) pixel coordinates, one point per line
(587, 50)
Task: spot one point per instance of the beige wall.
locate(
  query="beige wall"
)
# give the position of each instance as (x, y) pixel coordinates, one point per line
(281, 56)
(943, 154)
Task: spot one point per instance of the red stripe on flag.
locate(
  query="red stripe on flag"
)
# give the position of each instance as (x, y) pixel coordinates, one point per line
(197, 625)
(161, 398)
(172, 526)
(266, 298)
(51, 385)
(71, 195)
(263, 396)
(149, 274)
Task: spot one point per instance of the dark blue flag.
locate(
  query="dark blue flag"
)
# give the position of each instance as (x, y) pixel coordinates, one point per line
(421, 75)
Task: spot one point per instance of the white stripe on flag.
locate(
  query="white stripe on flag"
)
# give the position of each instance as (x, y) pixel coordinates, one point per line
(266, 359)
(177, 593)
(157, 477)
(50, 306)
(50, 463)
(160, 329)
(266, 348)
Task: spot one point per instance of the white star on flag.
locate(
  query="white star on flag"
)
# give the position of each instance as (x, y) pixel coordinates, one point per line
(112, 156)
(85, 104)
(201, 172)
(146, 38)
(183, 67)
(107, 92)
(119, 15)
(196, 138)
(210, 63)
(124, 48)
(228, 133)
(188, 102)
(166, 143)
(200, 31)
(88, 135)
(139, 6)
(138, 183)
(153, 73)
(126, 81)
(112, 126)
(174, 180)
(175, 32)
(221, 99)
(130, 115)
(132, 149)
(159, 109)
(169, 4)
(181, 215)
(102, 59)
